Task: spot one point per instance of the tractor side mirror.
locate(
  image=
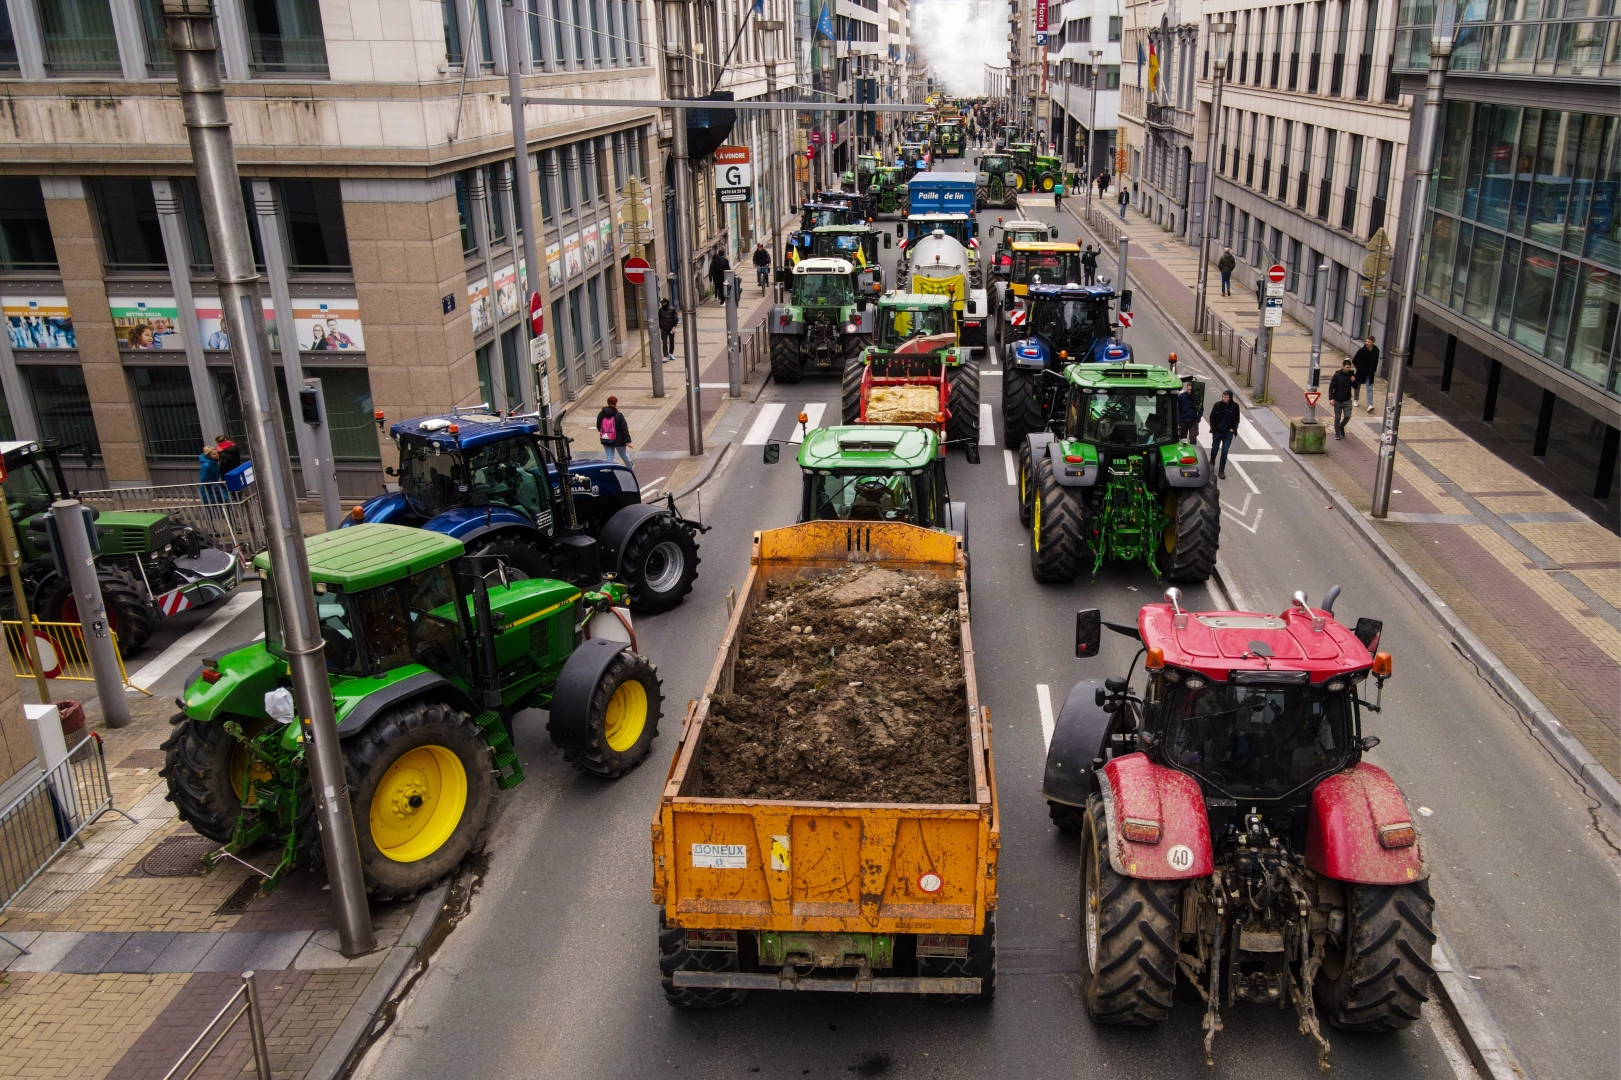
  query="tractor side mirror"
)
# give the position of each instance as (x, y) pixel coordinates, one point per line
(1088, 632)
(1053, 232)
(887, 241)
(1368, 632)
(1125, 300)
(773, 453)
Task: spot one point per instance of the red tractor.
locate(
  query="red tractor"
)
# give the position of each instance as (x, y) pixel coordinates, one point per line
(1234, 844)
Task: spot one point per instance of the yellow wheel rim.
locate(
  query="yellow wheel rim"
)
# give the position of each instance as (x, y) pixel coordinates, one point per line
(1170, 524)
(1035, 522)
(239, 773)
(626, 716)
(418, 803)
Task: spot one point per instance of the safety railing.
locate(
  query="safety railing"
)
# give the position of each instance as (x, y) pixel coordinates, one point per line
(1232, 347)
(232, 520)
(41, 822)
(248, 994)
(62, 652)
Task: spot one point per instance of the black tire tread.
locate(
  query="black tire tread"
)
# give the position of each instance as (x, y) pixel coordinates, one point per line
(655, 531)
(964, 380)
(197, 765)
(850, 390)
(518, 553)
(1070, 819)
(786, 362)
(1387, 973)
(1198, 534)
(1055, 555)
(1021, 406)
(674, 956)
(121, 593)
(1138, 928)
(600, 759)
(1026, 483)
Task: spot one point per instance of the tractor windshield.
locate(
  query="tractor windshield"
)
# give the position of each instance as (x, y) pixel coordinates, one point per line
(956, 228)
(823, 290)
(27, 491)
(995, 163)
(898, 325)
(865, 497)
(508, 473)
(427, 477)
(1046, 267)
(840, 246)
(815, 219)
(1071, 325)
(1122, 417)
(1257, 741)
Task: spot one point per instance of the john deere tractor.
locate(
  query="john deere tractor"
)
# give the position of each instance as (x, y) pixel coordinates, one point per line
(889, 191)
(948, 139)
(913, 327)
(857, 244)
(1113, 479)
(1062, 325)
(1040, 172)
(429, 653)
(999, 181)
(826, 321)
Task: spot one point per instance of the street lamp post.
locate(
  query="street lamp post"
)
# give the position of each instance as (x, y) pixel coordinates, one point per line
(1221, 35)
(1092, 131)
(1441, 34)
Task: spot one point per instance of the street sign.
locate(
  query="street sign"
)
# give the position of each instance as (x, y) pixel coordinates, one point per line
(1274, 288)
(1275, 273)
(1274, 311)
(540, 349)
(635, 269)
(1312, 397)
(1366, 288)
(1041, 37)
(733, 174)
(537, 314)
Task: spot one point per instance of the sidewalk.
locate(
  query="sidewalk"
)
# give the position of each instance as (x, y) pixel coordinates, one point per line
(1537, 581)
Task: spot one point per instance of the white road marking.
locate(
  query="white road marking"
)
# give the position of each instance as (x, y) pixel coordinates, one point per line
(161, 664)
(987, 425)
(760, 431)
(1246, 478)
(1044, 699)
(1012, 470)
(1242, 524)
(1252, 435)
(1253, 457)
(653, 486)
(813, 414)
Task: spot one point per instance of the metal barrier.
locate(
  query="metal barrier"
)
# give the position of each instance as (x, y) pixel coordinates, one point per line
(62, 654)
(256, 1032)
(42, 821)
(232, 520)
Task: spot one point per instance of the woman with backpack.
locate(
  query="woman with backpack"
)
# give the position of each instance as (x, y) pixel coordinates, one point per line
(614, 432)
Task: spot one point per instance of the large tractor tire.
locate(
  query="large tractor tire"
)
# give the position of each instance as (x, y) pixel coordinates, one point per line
(421, 779)
(1015, 179)
(786, 362)
(674, 956)
(850, 401)
(1047, 183)
(1021, 406)
(1055, 528)
(206, 769)
(621, 715)
(980, 963)
(518, 555)
(1129, 930)
(659, 565)
(1194, 534)
(964, 421)
(1381, 976)
(1027, 483)
(854, 346)
(129, 613)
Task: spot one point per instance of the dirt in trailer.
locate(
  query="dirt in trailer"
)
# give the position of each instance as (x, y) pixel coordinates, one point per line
(848, 688)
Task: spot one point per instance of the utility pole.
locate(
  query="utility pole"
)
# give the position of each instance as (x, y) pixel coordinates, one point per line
(680, 80)
(511, 24)
(1221, 35)
(70, 522)
(1092, 133)
(193, 40)
(19, 596)
(1120, 289)
(1314, 375)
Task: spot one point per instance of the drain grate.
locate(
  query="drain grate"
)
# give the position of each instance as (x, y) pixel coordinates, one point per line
(175, 857)
(148, 758)
(238, 901)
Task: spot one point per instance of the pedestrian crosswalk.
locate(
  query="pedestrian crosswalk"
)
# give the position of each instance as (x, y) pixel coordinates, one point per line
(770, 419)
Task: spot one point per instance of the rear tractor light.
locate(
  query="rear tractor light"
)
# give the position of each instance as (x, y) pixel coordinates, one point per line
(211, 671)
(1074, 459)
(1140, 831)
(1402, 834)
(1190, 459)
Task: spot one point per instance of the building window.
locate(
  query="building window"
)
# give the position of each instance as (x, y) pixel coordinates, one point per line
(1249, 162)
(453, 31)
(593, 287)
(9, 65)
(579, 34)
(62, 403)
(1244, 236)
(1381, 186)
(285, 37)
(317, 239)
(1303, 178)
(1353, 179)
(535, 163)
(1364, 60)
(1293, 263)
(566, 179)
(1320, 12)
(1283, 163)
(481, 26)
(1266, 155)
(1326, 190)
(559, 39)
(574, 320)
(1336, 79)
(464, 211)
(1277, 50)
(1309, 295)
(168, 411)
(1115, 22)
(1294, 47)
(130, 237)
(78, 37)
(1336, 295)
(1111, 77)
(25, 231)
(511, 371)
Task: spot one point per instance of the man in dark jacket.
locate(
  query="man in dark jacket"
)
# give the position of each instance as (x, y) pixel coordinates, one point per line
(718, 267)
(1223, 426)
(1125, 200)
(1187, 414)
(1366, 362)
(613, 431)
(669, 319)
(1226, 264)
(1342, 393)
(1089, 263)
(762, 267)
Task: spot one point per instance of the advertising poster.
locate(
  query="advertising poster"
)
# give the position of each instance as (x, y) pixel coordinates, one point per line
(591, 245)
(506, 291)
(148, 322)
(328, 325)
(478, 302)
(605, 233)
(39, 322)
(554, 266)
(571, 254)
(212, 327)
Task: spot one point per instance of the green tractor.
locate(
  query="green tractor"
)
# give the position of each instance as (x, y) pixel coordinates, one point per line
(948, 139)
(889, 191)
(857, 244)
(429, 652)
(1039, 172)
(826, 322)
(1111, 477)
(1006, 136)
(914, 327)
(999, 182)
(149, 565)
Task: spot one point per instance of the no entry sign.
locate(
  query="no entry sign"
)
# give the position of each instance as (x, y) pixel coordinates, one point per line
(1275, 274)
(634, 269)
(537, 314)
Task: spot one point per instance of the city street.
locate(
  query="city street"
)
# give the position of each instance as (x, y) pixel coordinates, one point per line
(553, 970)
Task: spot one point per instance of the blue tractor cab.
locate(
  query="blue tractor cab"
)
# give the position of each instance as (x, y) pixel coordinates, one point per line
(495, 483)
(1063, 325)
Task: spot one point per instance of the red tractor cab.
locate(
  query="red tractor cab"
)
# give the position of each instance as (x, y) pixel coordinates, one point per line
(1232, 838)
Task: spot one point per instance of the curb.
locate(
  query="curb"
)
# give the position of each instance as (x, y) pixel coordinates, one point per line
(1466, 1007)
(707, 471)
(339, 1054)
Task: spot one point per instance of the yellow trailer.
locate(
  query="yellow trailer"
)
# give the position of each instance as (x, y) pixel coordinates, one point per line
(864, 897)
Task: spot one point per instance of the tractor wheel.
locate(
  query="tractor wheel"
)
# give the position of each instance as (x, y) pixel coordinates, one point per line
(851, 400)
(1055, 528)
(1070, 819)
(1021, 406)
(1194, 534)
(785, 358)
(854, 346)
(1015, 180)
(1047, 182)
(129, 614)
(625, 708)
(964, 422)
(1027, 486)
(421, 780)
(674, 956)
(518, 555)
(205, 768)
(1382, 975)
(1129, 930)
(980, 963)
(659, 565)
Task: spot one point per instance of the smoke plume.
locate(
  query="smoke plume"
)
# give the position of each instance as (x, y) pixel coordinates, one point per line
(959, 38)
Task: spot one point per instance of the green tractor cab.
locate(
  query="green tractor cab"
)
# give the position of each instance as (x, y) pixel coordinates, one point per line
(430, 653)
(825, 322)
(889, 191)
(857, 244)
(948, 139)
(917, 333)
(1114, 479)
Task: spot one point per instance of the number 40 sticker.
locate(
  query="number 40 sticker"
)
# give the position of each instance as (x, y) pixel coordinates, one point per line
(1180, 858)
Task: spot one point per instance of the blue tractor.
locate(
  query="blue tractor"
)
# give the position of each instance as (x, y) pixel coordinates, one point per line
(1061, 325)
(493, 482)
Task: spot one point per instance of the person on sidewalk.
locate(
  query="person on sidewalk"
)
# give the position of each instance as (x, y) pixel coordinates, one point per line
(1226, 264)
(209, 475)
(669, 319)
(718, 268)
(1223, 426)
(1187, 413)
(1125, 200)
(230, 453)
(1089, 264)
(762, 267)
(1366, 362)
(614, 432)
(1342, 394)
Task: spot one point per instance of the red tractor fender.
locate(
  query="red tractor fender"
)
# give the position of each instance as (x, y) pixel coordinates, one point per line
(1361, 831)
(1164, 809)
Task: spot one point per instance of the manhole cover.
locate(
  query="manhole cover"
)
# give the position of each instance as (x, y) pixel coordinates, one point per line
(177, 856)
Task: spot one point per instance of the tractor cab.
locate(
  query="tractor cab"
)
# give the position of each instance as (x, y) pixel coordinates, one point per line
(874, 473)
(1067, 322)
(1043, 263)
(34, 479)
(998, 182)
(1017, 232)
(867, 166)
(856, 244)
(915, 155)
(824, 212)
(916, 323)
(960, 227)
(1037, 171)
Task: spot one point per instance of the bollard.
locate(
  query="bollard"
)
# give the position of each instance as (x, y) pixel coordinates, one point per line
(72, 531)
(256, 1027)
(734, 351)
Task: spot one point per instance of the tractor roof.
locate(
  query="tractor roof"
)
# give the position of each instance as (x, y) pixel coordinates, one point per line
(1106, 376)
(464, 430)
(871, 447)
(364, 556)
(1021, 225)
(1045, 246)
(861, 228)
(1072, 292)
(914, 300)
(1219, 644)
(823, 266)
(25, 446)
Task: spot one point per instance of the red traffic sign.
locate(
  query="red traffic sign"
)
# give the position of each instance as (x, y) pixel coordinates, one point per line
(1275, 274)
(1312, 396)
(635, 268)
(537, 314)
(1125, 319)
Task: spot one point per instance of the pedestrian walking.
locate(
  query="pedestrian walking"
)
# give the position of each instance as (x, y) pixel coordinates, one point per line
(1342, 394)
(209, 476)
(669, 319)
(1187, 413)
(1223, 426)
(1366, 363)
(1125, 199)
(614, 432)
(1089, 264)
(718, 268)
(1226, 264)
